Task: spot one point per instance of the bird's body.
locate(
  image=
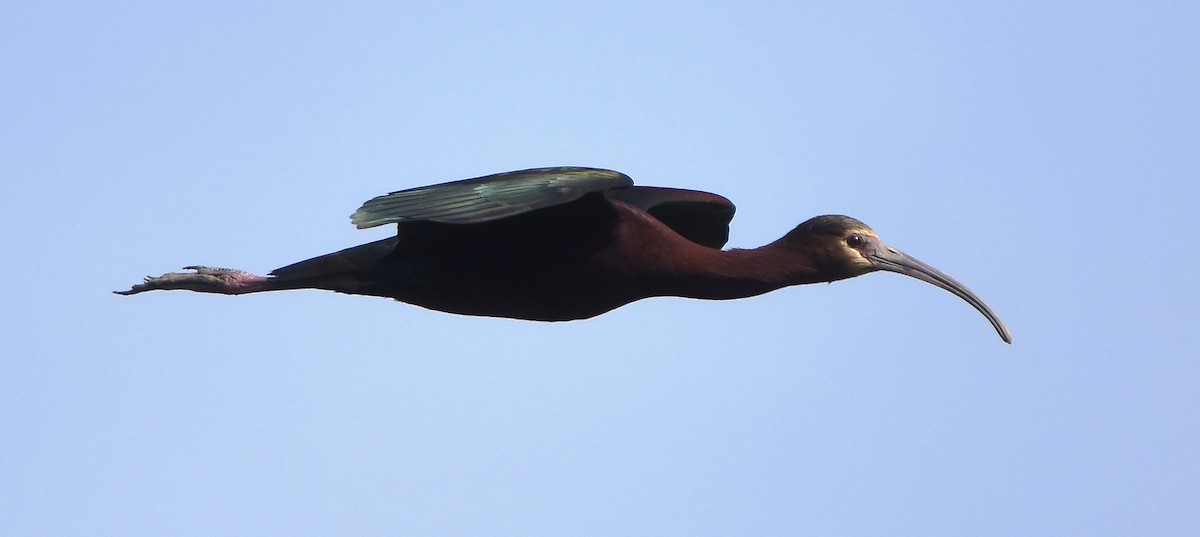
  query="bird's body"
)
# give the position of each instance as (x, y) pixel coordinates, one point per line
(554, 244)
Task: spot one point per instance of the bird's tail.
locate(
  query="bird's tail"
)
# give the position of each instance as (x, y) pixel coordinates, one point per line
(339, 271)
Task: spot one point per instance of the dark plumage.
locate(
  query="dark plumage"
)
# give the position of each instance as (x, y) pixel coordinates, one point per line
(565, 243)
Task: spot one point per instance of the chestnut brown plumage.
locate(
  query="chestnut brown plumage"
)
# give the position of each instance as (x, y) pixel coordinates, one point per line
(555, 244)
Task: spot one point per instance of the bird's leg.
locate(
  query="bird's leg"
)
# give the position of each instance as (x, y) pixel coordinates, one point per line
(204, 280)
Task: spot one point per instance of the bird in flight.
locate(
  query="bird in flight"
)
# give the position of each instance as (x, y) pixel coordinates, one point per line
(564, 243)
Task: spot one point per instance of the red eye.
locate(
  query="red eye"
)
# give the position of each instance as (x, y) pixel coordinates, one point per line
(855, 240)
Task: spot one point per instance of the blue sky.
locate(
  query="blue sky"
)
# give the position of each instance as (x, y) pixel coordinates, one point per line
(1045, 154)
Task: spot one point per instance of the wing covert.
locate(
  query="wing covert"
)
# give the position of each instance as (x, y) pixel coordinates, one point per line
(487, 198)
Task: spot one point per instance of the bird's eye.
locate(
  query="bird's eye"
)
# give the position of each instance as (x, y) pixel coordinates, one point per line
(855, 240)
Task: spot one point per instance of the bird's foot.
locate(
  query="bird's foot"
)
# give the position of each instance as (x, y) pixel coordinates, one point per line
(203, 280)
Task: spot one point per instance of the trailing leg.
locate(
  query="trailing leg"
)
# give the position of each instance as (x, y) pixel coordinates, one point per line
(205, 280)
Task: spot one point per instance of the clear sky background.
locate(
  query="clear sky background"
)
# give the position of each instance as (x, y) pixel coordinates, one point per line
(1044, 153)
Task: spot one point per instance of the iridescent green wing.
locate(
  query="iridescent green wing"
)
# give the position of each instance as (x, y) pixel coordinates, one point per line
(487, 198)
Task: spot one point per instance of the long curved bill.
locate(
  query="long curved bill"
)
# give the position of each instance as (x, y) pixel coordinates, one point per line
(890, 259)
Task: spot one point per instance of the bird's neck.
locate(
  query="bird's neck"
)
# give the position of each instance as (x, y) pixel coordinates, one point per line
(722, 274)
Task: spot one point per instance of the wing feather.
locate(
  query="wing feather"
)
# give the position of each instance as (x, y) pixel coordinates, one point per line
(488, 198)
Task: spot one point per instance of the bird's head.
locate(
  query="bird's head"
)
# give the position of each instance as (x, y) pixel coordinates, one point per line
(842, 247)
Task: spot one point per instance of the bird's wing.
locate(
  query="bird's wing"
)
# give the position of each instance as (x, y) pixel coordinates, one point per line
(701, 217)
(487, 198)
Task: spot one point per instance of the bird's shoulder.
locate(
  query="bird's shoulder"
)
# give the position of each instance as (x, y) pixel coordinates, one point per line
(701, 217)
